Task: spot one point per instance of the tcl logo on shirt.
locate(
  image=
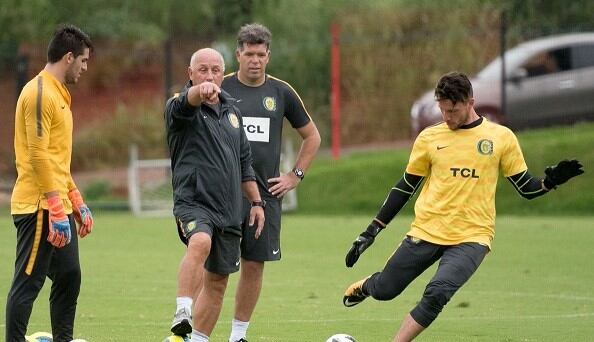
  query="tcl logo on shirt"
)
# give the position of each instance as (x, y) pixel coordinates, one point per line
(257, 129)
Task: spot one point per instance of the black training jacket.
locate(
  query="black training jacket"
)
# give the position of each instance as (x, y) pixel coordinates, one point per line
(210, 158)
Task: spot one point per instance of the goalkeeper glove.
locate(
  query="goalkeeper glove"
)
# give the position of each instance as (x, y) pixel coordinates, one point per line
(59, 225)
(362, 242)
(82, 213)
(561, 173)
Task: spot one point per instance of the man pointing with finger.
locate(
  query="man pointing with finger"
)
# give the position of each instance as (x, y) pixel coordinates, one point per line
(211, 165)
(455, 212)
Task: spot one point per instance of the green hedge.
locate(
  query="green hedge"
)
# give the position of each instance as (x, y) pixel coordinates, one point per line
(359, 182)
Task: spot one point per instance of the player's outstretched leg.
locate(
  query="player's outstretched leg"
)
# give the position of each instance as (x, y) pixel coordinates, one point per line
(354, 294)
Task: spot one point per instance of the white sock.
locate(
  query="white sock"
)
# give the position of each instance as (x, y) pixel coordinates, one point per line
(197, 336)
(238, 330)
(184, 302)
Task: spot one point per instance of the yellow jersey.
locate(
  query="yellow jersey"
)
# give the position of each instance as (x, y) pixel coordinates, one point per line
(457, 202)
(42, 144)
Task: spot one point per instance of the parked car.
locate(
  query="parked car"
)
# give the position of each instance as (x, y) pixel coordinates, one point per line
(548, 81)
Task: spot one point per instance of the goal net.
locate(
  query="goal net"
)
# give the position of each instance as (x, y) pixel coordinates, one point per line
(149, 184)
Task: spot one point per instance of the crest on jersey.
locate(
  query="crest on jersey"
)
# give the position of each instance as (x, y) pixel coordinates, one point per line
(485, 147)
(233, 120)
(186, 228)
(269, 103)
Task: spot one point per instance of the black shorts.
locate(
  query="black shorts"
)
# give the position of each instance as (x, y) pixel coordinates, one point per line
(224, 249)
(267, 247)
(457, 263)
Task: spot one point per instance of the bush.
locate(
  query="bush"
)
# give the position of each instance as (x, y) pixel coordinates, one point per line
(106, 143)
(97, 190)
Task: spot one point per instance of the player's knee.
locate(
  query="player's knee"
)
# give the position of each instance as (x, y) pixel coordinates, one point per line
(199, 244)
(252, 268)
(69, 277)
(73, 274)
(26, 292)
(381, 288)
(384, 294)
(435, 297)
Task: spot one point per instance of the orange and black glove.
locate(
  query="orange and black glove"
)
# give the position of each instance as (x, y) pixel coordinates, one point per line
(59, 225)
(82, 213)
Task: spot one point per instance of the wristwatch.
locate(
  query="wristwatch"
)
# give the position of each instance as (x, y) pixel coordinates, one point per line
(260, 203)
(299, 173)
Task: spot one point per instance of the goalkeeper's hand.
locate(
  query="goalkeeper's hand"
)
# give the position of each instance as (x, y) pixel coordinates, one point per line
(82, 213)
(562, 172)
(59, 225)
(362, 242)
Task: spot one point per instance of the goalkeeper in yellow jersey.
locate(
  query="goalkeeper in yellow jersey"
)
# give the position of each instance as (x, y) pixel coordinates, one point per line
(46, 205)
(455, 212)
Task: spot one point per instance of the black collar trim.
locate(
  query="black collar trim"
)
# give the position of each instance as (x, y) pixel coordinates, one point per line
(473, 124)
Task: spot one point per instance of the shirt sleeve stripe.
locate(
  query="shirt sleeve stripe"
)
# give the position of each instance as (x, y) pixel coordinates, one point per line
(406, 192)
(296, 94)
(38, 109)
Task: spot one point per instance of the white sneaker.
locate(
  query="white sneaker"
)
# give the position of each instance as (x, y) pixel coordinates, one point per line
(182, 323)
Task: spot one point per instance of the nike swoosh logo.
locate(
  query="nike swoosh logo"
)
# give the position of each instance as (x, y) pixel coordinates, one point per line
(239, 100)
(275, 252)
(237, 263)
(64, 106)
(441, 147)
(347, 302)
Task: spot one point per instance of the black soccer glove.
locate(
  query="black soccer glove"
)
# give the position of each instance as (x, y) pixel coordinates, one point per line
(561, 173)
(362, 242)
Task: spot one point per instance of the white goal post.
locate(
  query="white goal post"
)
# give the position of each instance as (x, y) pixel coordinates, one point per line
(149, 183)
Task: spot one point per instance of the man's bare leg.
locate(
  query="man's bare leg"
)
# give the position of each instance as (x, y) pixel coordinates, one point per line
(246, 297)
(190, 277)
(210, 302)
(248, 289)
(408, 330)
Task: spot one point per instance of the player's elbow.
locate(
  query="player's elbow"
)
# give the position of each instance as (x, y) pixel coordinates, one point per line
(314, 140)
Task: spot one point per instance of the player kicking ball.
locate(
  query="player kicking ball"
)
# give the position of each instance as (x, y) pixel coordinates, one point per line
(455, 212)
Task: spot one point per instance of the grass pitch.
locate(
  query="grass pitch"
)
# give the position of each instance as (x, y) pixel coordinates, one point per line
(536, 285)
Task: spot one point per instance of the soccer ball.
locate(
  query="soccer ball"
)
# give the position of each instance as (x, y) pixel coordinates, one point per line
(40, 337)
(176, 338)
(341, 338)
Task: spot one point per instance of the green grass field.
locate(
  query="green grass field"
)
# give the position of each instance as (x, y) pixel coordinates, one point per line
(536, 285)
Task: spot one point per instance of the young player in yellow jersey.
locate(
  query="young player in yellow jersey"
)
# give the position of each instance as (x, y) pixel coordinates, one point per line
(455, 212)
(45, 202)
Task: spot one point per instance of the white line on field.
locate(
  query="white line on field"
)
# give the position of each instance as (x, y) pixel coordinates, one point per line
(502, 317)
(532, 294)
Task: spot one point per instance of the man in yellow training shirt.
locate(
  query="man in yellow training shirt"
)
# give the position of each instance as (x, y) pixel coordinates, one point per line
(45, 204)
(455, 212)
